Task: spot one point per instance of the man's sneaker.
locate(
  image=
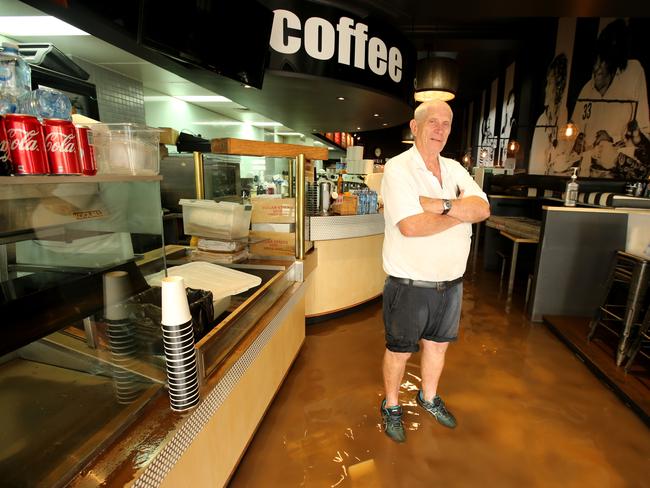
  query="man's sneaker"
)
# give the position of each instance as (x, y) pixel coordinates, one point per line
(393, 425)
(437, 409)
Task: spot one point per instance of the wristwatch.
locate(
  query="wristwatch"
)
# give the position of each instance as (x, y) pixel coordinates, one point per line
(446, 207)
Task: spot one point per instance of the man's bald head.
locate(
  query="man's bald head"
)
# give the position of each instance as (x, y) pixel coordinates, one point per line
(422, 110)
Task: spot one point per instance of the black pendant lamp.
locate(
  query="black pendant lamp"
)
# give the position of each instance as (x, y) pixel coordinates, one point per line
(407, 136)
(436, 78)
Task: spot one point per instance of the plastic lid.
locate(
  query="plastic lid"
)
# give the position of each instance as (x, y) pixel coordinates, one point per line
(9, 48)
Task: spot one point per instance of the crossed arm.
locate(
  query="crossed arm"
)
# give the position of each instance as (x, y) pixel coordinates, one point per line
(464, 210)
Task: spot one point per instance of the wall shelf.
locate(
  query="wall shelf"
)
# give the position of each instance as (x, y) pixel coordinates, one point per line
(54, 179)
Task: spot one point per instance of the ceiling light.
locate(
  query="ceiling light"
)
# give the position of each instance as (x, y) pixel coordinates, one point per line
(219, 122)
(37, 26)
(289, 134)
(436, 79)
(384, 124)
(203, 98)
(375, 115)
(266, 124)
(358, 128)
(341, 98)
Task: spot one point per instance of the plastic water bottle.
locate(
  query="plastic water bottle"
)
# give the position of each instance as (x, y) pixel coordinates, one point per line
(373, 202)
(15, 77)
(45, 104)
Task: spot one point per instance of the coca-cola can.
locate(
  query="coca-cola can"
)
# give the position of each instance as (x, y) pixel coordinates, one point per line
(5, 159)
(86, 150)
(26, 145)
(61, 147)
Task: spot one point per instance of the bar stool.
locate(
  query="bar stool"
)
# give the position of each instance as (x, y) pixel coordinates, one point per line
(640, 342)
(628, 275)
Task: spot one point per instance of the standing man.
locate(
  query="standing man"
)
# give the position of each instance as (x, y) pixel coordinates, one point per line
(430, 203)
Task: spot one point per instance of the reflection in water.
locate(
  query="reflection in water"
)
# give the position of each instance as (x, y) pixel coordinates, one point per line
(530, 413)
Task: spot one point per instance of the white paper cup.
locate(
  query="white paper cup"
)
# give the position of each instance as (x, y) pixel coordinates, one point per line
(179, 351)
(181, 375)
(186, 397)
(117, 288)
(178, 336)
(178, 387)
(175, 308)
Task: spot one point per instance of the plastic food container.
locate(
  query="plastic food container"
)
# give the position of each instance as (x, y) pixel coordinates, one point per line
(126, 149)
(221, 281)
(219, 220)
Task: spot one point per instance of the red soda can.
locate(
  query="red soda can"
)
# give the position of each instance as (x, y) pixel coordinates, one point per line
(26, 145)
(61, 147)
(86, 150)
(5, 160)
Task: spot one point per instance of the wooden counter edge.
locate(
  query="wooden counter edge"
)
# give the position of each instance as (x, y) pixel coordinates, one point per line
(271, 149)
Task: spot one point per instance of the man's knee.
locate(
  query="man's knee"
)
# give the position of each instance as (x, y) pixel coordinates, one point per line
(397, 356)
(435, 347)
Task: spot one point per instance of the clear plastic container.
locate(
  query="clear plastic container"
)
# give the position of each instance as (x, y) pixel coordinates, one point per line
(130, 149)
(218, 220)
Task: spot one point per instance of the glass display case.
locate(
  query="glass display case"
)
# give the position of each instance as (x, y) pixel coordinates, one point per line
(70, 381)
(71, 378)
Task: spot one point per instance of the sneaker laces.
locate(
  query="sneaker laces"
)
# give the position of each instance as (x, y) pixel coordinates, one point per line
(392, 418)
(439, 405)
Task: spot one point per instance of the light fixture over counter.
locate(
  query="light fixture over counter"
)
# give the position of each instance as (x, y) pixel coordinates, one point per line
(436, 78)
(407, 136)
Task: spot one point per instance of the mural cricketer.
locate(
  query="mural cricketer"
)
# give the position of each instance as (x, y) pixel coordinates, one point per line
(610, 116)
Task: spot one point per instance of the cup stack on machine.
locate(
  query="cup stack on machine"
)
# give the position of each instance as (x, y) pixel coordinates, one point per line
(222, 229)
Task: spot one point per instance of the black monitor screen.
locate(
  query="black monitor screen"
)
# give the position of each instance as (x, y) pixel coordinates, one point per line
(228, 37)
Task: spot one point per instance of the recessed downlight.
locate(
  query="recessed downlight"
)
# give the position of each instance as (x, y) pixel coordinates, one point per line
(340, 98)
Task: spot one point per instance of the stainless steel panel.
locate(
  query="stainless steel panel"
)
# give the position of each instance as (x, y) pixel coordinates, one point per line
(345, 226)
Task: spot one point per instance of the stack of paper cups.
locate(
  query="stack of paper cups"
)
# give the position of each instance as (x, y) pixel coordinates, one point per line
(121, 336)
(178, 340)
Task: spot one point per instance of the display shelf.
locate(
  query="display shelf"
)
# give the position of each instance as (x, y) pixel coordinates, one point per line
(53, 179)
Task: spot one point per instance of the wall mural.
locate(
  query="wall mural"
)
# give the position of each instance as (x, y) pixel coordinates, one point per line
(548, 150)
(487, 147)
(507, 113)
(483, 158)
(610, 113)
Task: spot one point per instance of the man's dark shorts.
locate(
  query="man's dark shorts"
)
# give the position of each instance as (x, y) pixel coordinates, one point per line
(412, 313)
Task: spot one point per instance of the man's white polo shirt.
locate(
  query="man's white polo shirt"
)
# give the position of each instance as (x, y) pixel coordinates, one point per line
(440, 257)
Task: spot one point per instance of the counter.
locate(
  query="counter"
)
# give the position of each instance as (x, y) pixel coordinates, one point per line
(82, 393)
(349, 270)
(203, 446)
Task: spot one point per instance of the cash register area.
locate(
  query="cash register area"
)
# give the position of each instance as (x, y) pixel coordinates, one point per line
(529, 412)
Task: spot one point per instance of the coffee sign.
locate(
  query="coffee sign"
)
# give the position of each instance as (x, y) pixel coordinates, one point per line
(318, 40)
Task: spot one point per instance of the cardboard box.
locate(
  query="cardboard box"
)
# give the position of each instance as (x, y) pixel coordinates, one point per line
(274, 243)
(273, 210)
(168, 135)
